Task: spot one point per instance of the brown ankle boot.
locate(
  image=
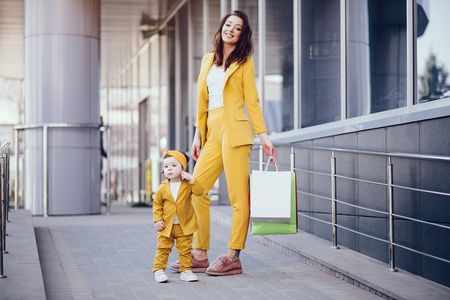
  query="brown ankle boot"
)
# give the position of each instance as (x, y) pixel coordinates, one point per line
(198, 266)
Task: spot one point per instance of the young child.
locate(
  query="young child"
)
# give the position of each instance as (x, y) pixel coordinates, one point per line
(174, 216)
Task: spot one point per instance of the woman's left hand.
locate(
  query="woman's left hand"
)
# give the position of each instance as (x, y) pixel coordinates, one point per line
(268, 148)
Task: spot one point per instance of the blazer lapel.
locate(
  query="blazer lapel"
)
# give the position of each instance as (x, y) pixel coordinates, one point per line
(233, 67)
(183, 186)
(208, 64)
(168, 191)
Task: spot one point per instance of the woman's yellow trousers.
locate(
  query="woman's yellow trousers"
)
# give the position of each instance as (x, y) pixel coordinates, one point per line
(218, 155)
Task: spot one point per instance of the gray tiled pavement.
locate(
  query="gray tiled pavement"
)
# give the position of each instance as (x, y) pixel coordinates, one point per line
(111, 257)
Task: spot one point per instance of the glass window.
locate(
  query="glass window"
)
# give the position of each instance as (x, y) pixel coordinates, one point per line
(321, 71)
(183, 33)
(214, 21)
(197, 43)
(171, 136)
(153, 113)
(376, 56)
(279, 75)
(433, 58)
(164, 92)
(144, 74)
(250, 7)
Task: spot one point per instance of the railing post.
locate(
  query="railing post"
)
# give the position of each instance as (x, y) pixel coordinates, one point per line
(16, 176)
(4, 197)
(7, 184)
(45, 166)
(108, 172)
(2, 208)
(391, 220)
(292, 159)
(333, 199)
(261, 155)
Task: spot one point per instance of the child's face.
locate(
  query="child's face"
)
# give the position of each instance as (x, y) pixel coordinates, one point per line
(172, 168)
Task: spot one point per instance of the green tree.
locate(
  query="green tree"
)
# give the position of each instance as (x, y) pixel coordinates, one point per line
(434, 80)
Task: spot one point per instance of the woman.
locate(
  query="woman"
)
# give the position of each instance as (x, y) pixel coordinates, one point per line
(226, 83)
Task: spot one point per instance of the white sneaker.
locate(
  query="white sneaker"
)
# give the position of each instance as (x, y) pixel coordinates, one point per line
(160, 276)
(188, 275)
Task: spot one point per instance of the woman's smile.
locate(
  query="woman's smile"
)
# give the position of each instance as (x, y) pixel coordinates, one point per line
(231, 30)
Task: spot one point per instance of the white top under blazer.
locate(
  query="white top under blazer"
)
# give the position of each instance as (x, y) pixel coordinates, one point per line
(214, 81)
(174, 188)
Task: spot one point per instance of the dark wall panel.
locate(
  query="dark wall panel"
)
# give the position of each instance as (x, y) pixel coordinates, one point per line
(374, 140)
(403, 138)
(375, 227)
(345, 237)
(435, 136)
(408, 234)
(428, 137)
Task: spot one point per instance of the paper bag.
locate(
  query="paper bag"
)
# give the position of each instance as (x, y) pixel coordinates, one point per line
(278, 227)
(270, 196)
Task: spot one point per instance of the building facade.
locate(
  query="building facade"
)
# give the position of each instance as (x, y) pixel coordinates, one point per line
(337, 79)
(352, 74)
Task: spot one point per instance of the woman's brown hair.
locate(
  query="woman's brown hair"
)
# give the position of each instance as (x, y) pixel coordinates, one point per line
(244, 46)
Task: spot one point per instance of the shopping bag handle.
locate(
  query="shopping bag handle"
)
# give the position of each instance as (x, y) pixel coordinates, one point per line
(267, 164)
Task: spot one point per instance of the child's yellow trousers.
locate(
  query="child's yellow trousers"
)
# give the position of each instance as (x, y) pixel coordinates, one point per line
(217, 155)
(164, 247)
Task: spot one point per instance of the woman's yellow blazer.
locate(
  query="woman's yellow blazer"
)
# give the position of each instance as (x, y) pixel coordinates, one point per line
(165, 207)
(238, 88)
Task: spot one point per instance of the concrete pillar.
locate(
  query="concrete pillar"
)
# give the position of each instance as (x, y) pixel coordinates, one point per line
(62, 85)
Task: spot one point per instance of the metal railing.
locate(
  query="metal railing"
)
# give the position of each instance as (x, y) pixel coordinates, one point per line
(45, 127)
(4, 197)
(390, 214)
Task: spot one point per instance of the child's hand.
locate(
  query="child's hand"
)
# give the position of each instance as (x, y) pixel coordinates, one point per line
(160, 225)
(187, 176)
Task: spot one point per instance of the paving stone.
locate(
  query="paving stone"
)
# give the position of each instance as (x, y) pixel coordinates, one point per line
(111, 257)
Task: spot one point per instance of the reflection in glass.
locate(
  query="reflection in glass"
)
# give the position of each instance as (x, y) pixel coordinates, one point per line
(279, 77)
(197, 43)
(214, 20)
(433, 58)
(163, 100)
(155, 81)
(185, 109)
(320, 62)
(171, 136)
(376, 56)
(250, 7)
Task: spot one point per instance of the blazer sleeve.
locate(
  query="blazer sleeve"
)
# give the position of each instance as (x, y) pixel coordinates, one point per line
(251, 97)
(197, 188)
(205, 61)
(158, 206)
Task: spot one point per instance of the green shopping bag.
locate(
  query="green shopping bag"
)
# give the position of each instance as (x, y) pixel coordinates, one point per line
(276, 227)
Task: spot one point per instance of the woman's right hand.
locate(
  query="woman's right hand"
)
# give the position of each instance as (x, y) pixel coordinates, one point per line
(195, 149)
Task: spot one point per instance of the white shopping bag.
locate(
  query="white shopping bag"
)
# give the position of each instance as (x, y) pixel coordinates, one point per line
(270, 196)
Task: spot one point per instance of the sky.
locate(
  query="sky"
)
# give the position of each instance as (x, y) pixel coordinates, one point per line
(436, 37)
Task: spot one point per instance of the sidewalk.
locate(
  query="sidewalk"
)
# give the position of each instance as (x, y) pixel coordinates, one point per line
(351, 266)
(111, 257)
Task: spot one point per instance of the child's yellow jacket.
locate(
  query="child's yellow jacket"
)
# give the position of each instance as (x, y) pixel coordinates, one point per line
(165, 207)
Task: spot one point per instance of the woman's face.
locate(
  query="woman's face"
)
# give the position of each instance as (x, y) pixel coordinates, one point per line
(231, 30)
